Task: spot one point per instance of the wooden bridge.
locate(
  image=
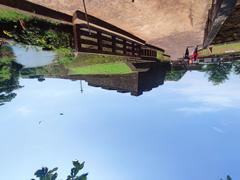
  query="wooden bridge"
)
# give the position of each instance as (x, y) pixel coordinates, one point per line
(99, 37)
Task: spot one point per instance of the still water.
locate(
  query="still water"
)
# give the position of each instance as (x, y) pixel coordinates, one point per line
(186, 129)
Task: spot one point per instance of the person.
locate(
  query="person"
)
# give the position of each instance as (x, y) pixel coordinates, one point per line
(195, 54)
(186, 57)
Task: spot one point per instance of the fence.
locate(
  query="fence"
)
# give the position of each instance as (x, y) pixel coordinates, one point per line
(100, 41)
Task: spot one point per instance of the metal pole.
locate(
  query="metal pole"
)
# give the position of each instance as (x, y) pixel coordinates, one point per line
(86, 16)
(81, 87)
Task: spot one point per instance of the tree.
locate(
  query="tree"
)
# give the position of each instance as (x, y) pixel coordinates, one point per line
(175, 75)
(45, 174)
(9, 75)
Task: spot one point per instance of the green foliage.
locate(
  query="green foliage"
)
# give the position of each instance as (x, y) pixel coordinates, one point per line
(9, 74)
(174, 75)
(48, 39)
(64, 55)
(6, 61)
(75, 170)
(5, 73)
(6, 51)
(12, 15)
(236, 68)
(218, 73)
(32, 30)
(45, 174)
(160, 55)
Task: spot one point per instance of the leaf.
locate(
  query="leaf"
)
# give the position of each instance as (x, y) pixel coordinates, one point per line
(54, 177)
(78, 166)
(41, 172)
(82, 177)
(53, 170)
(8, 34)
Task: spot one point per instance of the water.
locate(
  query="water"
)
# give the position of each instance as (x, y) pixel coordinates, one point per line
(32, 56)
(179, 130)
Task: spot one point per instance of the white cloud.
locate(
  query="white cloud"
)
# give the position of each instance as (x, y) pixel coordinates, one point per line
(197, 109)
(23, 110)
(218, 130)
(206, 97)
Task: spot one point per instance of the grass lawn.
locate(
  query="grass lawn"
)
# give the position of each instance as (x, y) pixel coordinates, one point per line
(107, 68)
(221, 49)
(11, 15)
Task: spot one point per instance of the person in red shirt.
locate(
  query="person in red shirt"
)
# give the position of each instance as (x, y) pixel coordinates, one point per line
(195, 54)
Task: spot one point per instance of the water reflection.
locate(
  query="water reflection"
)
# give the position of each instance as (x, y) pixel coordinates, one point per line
(218, 73)
(32, 56)
(135, 83)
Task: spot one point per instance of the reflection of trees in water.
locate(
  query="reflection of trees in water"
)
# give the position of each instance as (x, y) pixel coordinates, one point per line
(175, 75)
(228, 178)
(9, 75)
(46, 174)
(236, 67)
(218, 73)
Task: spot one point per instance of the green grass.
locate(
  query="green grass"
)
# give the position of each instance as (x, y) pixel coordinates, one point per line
(64, 56)
(159, 55)
(221, 49)
(107, 68)
(162, 57)
(11, 15)
(85, 59)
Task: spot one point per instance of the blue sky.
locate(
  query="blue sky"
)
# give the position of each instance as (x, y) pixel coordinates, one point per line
(179, 131)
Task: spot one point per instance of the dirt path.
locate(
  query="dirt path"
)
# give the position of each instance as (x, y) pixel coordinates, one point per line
(171, 24)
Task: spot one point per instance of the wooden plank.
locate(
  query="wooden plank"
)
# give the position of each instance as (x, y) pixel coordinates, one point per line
(119, 42)
(87, 50)
(107, 33)
(119, 48)
(86, 33)
(154, 47)
(106, 38)
(81, 15)
(107, 45)
(88, 42)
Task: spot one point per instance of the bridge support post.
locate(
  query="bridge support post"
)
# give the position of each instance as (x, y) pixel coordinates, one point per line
(77, 38)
